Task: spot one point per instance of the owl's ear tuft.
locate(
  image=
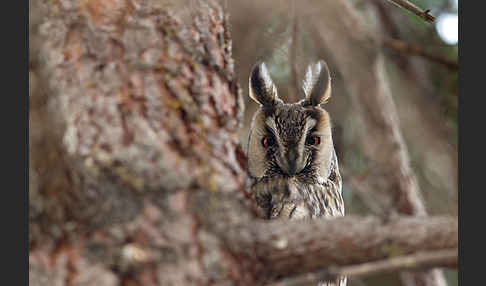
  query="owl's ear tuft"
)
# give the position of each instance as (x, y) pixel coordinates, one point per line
(317, 84)
(262, 89)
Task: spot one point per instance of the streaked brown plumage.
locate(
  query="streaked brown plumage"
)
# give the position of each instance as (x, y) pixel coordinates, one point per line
(291, 157)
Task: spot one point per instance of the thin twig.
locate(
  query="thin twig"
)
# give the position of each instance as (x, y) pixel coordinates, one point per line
(422, 260)
(409, 49)
(306, 279)
(414, 9)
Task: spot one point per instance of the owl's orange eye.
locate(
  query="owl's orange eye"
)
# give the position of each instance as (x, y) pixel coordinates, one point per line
(268, 141)
(313, 140)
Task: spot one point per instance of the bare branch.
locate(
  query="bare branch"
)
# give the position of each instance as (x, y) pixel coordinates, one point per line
(305, 279)
(414, 9)
(295, 247)
(421, 260)
(413, 50)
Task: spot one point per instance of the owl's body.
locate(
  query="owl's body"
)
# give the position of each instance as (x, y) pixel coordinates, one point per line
(291, 156)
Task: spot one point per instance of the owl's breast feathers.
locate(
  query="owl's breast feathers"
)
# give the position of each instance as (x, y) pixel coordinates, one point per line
(301, 196)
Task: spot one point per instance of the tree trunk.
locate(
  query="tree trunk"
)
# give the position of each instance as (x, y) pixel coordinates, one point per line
(140, 116)
(136, 175)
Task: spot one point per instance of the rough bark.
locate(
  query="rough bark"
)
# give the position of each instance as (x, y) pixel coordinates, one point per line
(290, 248)
(139, 112)
(136, 174)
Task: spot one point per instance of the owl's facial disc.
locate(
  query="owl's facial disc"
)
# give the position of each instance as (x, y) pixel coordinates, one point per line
(294, 141)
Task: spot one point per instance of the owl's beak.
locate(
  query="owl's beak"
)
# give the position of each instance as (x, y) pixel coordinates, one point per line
(291, 163)
(291, 160)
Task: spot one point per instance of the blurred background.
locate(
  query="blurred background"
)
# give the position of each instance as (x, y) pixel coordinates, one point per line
(423, 84)
(421, 71)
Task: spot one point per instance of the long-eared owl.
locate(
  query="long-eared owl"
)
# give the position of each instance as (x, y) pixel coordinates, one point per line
(291, 158)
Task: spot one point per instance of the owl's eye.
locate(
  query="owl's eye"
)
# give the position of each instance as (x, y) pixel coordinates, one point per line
(313, 140)
(268, 141)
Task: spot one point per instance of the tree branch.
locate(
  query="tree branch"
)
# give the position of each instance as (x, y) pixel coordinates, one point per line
(413, 50)
(289, 248)
(421, 260)
(414, 9)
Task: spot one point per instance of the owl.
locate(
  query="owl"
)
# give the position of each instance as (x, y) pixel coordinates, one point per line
(292, 163)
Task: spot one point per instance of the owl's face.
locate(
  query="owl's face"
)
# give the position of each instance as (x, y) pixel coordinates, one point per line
(290, 140)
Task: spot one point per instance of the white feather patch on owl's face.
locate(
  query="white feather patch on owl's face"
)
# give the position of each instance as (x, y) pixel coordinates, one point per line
(256, 153)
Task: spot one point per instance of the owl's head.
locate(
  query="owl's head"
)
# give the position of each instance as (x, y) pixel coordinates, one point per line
(290, 140)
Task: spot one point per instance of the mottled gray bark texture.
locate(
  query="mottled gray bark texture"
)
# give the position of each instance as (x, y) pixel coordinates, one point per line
(136, 175)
